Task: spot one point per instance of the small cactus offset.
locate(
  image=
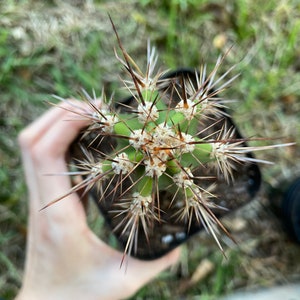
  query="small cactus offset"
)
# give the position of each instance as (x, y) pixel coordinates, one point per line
(154, 162)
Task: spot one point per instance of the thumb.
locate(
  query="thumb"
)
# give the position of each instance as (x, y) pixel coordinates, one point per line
(144, 271)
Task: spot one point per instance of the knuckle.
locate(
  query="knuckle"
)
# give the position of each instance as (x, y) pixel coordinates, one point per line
(25, 138)
(30, 145)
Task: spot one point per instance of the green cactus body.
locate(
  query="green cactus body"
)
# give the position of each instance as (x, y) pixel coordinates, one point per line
(154, 147)
(162, 138)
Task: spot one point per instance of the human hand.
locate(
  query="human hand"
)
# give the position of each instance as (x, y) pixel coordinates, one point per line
(65, 259)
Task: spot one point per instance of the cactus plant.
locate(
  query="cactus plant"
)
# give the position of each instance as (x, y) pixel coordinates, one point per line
(157, 162)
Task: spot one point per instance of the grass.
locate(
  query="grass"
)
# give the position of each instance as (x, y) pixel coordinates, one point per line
(59, 47)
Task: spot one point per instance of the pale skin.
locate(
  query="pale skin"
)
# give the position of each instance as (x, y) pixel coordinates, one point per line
(64, 258)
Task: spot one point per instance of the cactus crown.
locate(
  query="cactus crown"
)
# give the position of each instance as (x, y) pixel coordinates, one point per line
(153, 143)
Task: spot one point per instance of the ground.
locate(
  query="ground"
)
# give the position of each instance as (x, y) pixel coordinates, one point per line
(62, 46)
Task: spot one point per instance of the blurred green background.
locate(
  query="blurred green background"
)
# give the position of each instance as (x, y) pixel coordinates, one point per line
(57, 47)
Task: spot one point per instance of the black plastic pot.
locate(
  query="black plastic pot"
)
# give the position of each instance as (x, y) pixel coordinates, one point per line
(169, 233)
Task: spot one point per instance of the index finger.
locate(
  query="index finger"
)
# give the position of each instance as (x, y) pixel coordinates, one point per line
(44, 144)
(36, 131)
